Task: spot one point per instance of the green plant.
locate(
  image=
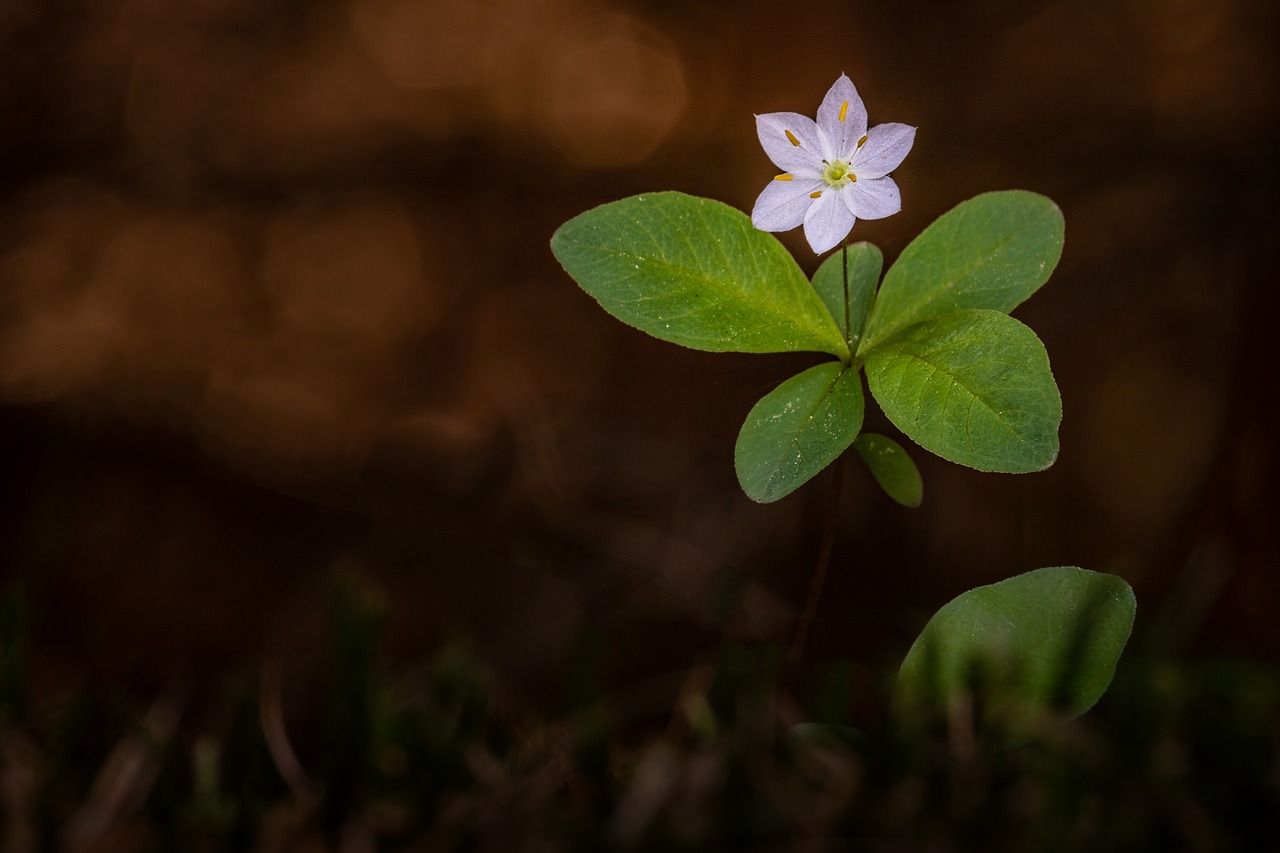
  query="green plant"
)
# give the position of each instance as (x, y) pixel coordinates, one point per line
(942, 356)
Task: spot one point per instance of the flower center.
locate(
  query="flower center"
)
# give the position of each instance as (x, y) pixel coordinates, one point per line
(838, 173)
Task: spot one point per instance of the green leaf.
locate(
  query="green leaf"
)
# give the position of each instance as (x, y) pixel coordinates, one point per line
(865, 263)
(973, 387)
(892, 468)
(695, 272)
(1050, 638)
(797, 429)
(992, 252)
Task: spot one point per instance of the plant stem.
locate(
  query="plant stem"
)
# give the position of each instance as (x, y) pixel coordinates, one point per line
(824, 560)
(833, 511)
(848, 321)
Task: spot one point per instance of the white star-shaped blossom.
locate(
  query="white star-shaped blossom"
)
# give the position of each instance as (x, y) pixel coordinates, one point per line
(835, 171)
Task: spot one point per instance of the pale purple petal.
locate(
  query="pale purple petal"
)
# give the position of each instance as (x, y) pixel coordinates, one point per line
(886, 147)
(873, 198)
(805, 159)
(782, 205)
(842, 135)
(827, 222)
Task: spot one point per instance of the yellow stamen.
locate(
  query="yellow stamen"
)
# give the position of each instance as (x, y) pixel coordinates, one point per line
(844, 111)
(862, 140)
(817, 194)
(791, 136)
(853, 179)
(785, 177)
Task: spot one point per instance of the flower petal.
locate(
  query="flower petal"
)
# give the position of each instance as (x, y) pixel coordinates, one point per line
(782, 205)
(873, 199)
(827, 221)
(886, 147)
(843, 135)
(804, 159)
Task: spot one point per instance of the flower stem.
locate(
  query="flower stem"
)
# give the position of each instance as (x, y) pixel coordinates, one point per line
(848, 321)
(824, 560)
(833, 510)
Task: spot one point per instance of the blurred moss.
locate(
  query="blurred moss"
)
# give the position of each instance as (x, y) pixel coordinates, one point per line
(1179, 755)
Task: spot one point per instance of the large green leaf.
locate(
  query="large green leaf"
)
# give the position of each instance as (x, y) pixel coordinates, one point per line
(864, 263)
(893, 469)
(992, 251)
(695, 272)
(1048, 638)
(797, 429)
(973, 387)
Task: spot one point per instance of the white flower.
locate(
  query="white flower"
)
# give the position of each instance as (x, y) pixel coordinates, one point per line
(834, 170)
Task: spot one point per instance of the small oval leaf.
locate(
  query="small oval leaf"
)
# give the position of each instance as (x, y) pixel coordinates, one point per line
(974, 387)
(893, 469)
(1050, 638)
(797, 429)
(695, 272)
(991, 252)
(864, 263)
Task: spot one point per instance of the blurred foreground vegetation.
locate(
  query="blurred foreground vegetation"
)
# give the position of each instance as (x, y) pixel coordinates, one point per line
(1178, 756)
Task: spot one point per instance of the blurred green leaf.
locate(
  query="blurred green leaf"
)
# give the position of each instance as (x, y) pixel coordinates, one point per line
(974, 387)
(893, 469)
(797, 429)
(992, 252)
(864, 263)
(695, 272)
(1050, 637)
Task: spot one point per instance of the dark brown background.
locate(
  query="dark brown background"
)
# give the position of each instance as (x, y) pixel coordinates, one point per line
(276, 301)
